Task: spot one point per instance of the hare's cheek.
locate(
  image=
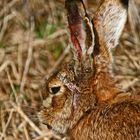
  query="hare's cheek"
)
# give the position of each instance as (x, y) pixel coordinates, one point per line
(58, 101)
(48, 102)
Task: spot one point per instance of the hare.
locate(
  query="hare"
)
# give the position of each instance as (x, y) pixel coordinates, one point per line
(83, 101)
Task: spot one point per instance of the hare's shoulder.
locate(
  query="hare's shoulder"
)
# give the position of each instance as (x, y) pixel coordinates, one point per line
(116, 113)
(119, 120)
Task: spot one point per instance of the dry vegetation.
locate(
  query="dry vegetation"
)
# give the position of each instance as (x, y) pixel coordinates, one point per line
(33, 44)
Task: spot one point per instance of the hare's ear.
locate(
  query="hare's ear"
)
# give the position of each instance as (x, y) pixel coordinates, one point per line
(109, 21)
(80, 27)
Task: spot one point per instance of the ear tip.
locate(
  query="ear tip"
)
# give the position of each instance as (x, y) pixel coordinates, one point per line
(72, 10)
(125, 3)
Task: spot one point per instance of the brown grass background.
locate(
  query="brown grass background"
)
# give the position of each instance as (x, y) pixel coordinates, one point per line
(33, 44)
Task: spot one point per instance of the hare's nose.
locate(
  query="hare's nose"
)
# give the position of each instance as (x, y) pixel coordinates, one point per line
(48, 101)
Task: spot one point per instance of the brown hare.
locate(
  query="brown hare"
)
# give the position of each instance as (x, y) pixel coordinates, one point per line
(83, 101)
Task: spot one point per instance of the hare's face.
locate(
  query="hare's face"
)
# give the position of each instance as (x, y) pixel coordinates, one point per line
(68, 97)
(57, 107)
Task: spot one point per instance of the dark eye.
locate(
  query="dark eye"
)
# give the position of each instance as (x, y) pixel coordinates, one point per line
(55, 90)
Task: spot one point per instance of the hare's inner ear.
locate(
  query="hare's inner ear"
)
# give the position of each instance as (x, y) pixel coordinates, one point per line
(81, 31)
(109, 21)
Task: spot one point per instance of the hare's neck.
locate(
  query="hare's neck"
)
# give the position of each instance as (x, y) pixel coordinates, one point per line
(105, 85)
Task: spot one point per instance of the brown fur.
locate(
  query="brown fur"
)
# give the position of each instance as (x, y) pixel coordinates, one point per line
(89, 105)
(119, 121)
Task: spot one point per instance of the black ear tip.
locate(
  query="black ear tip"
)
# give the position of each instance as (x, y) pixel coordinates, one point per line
(125, 2)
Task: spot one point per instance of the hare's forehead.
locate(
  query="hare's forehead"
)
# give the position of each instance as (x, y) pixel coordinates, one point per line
(55, 82)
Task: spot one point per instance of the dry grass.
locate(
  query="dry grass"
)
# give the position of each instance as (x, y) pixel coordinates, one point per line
(33, 44)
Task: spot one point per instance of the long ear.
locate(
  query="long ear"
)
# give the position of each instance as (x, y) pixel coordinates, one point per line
(109, 21)
(81, 31)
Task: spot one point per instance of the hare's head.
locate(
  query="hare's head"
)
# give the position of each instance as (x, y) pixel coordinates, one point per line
(72, 92)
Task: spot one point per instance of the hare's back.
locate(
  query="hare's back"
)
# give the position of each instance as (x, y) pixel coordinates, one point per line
(119, 121)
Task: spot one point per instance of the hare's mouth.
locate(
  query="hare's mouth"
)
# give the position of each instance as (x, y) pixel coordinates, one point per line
(49, 126)
(46, 123)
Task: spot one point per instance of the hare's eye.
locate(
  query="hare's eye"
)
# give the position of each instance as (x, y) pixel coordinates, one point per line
(55, 90)
(56, 87)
